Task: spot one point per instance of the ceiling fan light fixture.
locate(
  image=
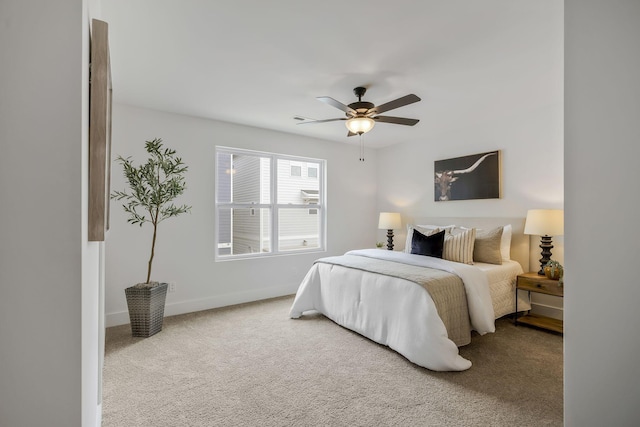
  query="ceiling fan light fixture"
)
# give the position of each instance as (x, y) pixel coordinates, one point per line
(360, 125)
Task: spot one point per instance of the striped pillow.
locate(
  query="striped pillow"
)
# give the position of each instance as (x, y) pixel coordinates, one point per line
(459, 247)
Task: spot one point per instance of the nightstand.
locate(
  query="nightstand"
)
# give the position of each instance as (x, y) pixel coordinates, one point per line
(533, 282)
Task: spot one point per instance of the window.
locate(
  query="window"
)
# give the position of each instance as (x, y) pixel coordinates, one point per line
(266, 205)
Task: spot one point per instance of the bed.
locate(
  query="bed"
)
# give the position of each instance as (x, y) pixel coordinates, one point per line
(422, 307)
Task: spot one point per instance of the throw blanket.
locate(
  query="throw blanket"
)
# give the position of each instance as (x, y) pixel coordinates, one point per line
(475, 282)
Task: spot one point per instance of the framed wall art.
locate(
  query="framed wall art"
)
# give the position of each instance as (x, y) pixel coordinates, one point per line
(476, 176)
(99, 131)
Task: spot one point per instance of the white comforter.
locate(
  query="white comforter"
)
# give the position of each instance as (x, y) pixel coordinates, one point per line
(395, 312)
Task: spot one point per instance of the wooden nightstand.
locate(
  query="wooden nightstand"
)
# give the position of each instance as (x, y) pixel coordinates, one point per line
(533, 282)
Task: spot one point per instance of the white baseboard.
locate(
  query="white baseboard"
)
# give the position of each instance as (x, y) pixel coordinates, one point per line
(99, 416)
(189, 306)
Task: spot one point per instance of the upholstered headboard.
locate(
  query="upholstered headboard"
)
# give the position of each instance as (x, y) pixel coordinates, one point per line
(519, 240)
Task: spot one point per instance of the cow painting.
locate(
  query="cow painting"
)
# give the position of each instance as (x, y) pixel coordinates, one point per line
(469, 177)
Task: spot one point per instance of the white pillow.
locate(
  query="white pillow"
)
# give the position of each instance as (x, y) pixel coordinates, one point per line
(427, 230)
(447, 228)
(505, 242)
(459, 247)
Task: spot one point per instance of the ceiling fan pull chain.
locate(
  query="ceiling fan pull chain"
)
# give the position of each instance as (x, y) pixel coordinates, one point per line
(361, 147)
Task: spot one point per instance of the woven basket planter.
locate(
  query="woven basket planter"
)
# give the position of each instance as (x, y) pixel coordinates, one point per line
(146, 309)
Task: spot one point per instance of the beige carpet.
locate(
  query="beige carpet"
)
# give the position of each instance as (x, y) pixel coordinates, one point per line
(250, 365)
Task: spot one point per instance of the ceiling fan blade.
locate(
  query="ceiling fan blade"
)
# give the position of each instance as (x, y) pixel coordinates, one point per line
(396, 120)
(397, 103)
(320, 121)
(339, 105)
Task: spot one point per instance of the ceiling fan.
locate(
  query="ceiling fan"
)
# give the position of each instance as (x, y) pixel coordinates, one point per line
(361, 116)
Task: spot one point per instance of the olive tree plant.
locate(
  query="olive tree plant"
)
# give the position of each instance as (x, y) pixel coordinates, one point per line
(152, 188)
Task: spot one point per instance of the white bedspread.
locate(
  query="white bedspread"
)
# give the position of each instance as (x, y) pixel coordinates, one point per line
(395, 312)
(475, 282)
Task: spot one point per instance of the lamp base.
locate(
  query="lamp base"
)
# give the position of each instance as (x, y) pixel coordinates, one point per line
(390, 240)
(545, 244)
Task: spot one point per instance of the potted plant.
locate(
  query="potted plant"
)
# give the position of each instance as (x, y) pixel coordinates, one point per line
(152, 188)
(554, 270)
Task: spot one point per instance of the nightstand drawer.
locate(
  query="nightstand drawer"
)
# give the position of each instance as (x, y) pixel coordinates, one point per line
(551, 288)
(536, 283)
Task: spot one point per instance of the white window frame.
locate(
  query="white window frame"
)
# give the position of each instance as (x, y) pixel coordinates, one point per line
(274, 207)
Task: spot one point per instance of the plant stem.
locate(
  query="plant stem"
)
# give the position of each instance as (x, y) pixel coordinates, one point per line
(155, 230)
(153, 247)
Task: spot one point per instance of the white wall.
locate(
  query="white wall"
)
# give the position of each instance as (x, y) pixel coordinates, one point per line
(602, 148)
(48, 270)
(532, 169)
(185, 248)
(523, 119)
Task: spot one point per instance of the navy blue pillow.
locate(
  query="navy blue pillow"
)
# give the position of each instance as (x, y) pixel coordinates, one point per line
(427, 245)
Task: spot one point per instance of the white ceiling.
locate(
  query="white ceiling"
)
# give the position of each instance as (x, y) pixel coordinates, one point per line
(260, 63)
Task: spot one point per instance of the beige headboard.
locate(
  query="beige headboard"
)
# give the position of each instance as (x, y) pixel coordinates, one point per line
(519, 240)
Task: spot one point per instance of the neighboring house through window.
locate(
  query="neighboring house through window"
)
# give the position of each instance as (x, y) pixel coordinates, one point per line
(268, 204)
(312, 172)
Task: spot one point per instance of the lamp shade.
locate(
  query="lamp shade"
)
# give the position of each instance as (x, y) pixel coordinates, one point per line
(389, 221)
(360, 124)
(545, 222)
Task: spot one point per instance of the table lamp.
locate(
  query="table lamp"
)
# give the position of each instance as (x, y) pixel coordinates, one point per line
(389, 221)
(545, 223)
